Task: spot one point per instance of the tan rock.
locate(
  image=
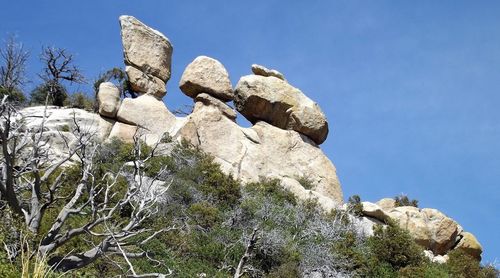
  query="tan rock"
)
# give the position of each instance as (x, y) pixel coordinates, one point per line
(373, 210)
(105, 126)
(146, 112)
(108, 99)
(263, 151)
(274, 101)
(224, 108)
(261, 70)
(145, 48)
(206, 75)
(124, 132)
(386, 203)
(144, 83)
(470, 245)
(429, 227)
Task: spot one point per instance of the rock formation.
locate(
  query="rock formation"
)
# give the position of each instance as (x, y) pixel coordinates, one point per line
(282, 143)
(430, 228)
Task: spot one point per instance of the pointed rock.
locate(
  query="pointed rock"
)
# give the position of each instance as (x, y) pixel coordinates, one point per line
(263, 71)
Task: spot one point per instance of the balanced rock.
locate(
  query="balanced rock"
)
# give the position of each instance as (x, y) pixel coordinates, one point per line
(263, 71)
(469, 244)
(276, 102)
(149, 52)
(206, 75)
(108, 99)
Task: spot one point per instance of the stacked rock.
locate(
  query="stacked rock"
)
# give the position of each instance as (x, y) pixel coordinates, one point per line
(147, 56)
(206, 80)
(267, 96)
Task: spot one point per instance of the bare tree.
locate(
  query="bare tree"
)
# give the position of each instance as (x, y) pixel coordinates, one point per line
(31, 182)
(13, 58)
(58, 67)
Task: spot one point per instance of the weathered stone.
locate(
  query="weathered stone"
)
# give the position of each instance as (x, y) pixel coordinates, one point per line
(105, 126)
(224, 108)
(274, 101)
(469, 244)
(373, 210)
(124, 132)
(261, 70)
(386, 203)
(108, 99)
(144, 83)
(206, 75)
(429, 227)
(147, 112)
(145, 48)
(263, 151)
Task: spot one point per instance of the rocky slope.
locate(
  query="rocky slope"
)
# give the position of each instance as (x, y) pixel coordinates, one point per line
(283, 142)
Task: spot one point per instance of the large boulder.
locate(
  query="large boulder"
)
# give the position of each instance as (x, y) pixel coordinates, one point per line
(429, 227)
(108, 99)
(149, 52)
(149, 114)
(373, 210)
(263, 151)
(276, 102)
(206, 75)
(470, 245)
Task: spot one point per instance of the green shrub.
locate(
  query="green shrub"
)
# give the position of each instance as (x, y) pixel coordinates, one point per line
(355, 205)
(403, 200)
(395, 247)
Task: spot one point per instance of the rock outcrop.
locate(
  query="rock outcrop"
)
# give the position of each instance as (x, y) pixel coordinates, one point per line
(148, 56)
(270, 99)
(430, 228)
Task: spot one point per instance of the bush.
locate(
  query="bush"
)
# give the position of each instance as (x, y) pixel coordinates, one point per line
(81, 101)
(39, 95)
(15, 96)
(355, 205)
(403, 200)
(395, 247)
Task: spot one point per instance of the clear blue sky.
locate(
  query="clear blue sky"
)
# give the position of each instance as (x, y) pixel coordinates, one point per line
(411, 88)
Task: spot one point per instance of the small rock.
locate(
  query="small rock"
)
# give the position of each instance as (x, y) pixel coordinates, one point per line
(206, 75)
(263, 71)
(108, 99)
